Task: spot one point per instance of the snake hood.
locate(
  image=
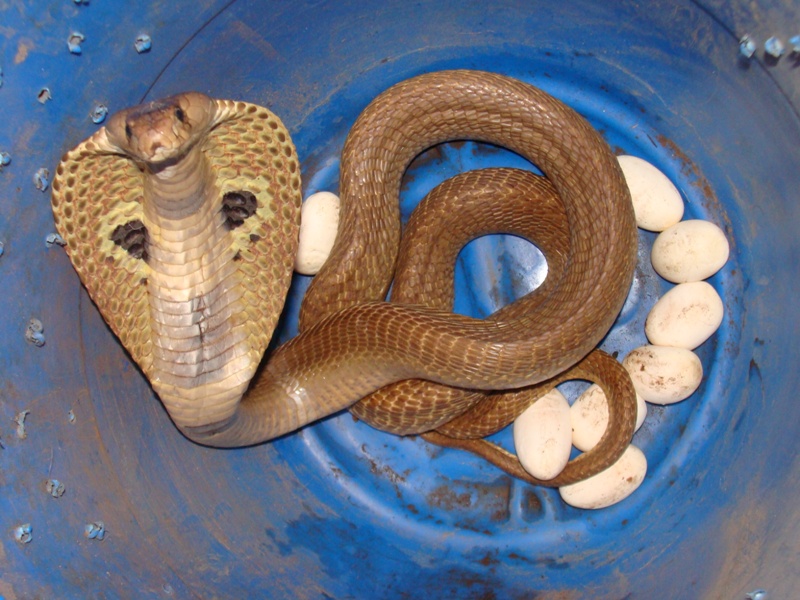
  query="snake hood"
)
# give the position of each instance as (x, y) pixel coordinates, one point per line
(160, 133)
(181, 218)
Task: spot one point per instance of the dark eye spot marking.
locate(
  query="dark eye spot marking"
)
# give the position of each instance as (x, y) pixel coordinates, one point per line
(132, 237)
(238, 206)
(128, 131)
(180, 115)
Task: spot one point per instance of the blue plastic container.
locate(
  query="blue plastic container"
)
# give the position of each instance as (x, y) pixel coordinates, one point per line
(339, 510)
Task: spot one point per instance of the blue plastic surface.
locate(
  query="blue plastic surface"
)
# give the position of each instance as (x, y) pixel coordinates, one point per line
(339, 510)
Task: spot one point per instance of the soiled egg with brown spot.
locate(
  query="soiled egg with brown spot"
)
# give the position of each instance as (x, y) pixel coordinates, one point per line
(611, 486)
(589, 417)
(691, 250)
(664, 374)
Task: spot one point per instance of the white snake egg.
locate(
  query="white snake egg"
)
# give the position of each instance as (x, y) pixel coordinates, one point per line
(608, 487)
(686, 316)
(589, 417)
(543, 436)
(690, 251)
(319, 223)
(664, 374)
(657, 203)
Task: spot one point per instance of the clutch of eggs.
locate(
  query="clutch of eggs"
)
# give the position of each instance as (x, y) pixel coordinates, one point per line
(664, 371)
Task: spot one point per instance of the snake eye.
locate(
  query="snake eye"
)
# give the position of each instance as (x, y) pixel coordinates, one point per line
(180, 115)
(128, 132)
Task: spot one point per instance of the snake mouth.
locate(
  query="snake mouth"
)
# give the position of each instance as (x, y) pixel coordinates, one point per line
(157, 141)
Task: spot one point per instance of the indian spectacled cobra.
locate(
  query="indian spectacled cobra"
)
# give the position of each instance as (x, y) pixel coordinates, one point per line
(181, 218)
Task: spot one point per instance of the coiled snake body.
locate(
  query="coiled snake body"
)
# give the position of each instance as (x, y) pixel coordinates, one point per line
(181, 218)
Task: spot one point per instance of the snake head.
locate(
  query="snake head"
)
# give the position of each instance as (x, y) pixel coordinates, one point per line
(160, 133)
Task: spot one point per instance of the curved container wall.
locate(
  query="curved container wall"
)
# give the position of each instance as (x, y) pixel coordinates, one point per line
(339, 510)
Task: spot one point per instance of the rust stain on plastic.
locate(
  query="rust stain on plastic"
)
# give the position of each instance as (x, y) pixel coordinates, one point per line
(488, 499)
(444, 497)
(757, 546)
(700, 182)
(252, 37)
(23, 48)
(6, 591)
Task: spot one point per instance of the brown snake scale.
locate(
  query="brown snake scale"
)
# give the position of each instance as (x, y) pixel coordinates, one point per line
(181, 218)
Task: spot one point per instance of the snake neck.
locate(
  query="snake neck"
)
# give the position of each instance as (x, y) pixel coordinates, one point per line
(193, 290)
(178, 190)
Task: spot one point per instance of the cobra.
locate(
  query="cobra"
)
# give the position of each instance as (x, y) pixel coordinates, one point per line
(181, 218)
